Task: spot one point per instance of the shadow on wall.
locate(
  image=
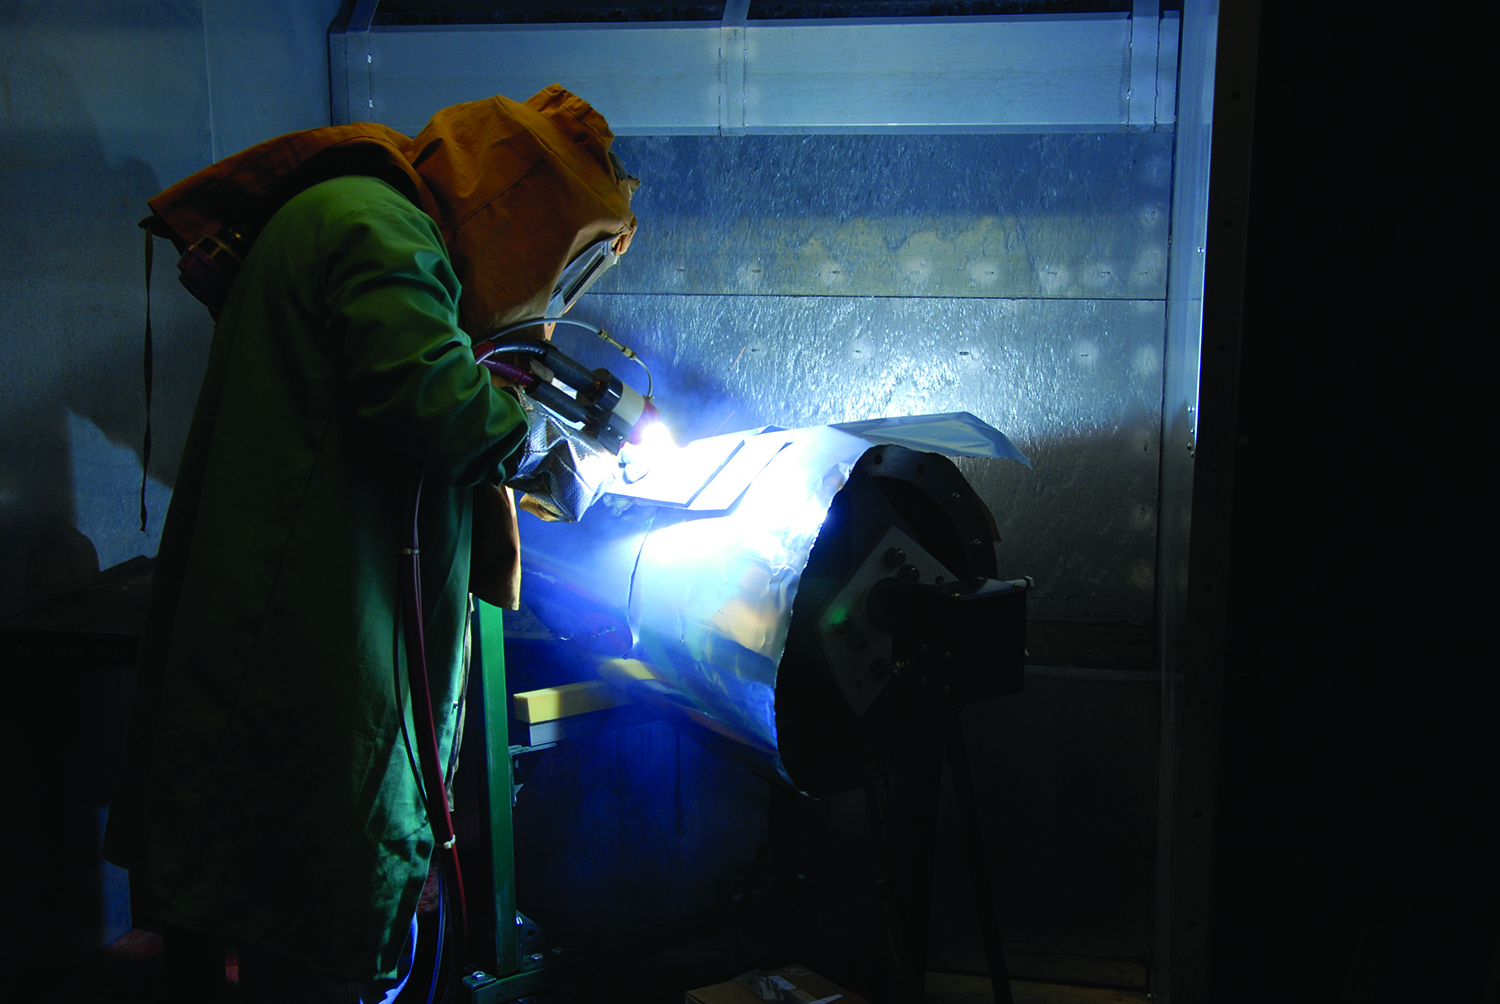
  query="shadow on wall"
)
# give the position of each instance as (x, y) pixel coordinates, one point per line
(72, 299)
(1075, 383)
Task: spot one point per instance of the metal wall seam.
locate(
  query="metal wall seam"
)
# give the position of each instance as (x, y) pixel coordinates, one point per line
(1169, 41)
(1181, 359)
(350, 69)
(732, 59)
(1145, 24)
(1202, 659)
(1204, 316)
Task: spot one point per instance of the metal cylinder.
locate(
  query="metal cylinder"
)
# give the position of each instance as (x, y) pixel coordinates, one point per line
(731, 597)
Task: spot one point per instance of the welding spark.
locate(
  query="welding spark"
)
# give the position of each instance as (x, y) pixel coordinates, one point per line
(652, 448)
(726, 420)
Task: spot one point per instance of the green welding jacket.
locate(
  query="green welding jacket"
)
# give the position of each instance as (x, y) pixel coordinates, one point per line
(268, 793)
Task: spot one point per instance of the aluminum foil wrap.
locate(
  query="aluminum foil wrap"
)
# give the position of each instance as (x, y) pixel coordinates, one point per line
(707, 555)
(563, 470)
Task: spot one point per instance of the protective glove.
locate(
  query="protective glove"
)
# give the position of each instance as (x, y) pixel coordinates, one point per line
(562, 471)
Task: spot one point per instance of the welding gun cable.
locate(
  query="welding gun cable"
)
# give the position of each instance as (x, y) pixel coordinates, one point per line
(521, 378)
(629, 353)
(544, 393)
(565, 369)
(495, 340)
(650, 383)
(419, 687)
(438, 815)
(515, 346)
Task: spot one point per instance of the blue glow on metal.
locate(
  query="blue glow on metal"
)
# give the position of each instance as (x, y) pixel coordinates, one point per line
(705, 598)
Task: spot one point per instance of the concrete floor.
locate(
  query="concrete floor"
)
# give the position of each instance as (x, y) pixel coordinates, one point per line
(131, 975)
(957, 988)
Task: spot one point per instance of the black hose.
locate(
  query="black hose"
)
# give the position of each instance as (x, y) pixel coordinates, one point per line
(494, 344)
(568, 371)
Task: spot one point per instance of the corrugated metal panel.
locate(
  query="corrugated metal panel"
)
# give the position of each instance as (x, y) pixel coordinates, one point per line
(658, 78)
(983, 216)
(1029, 73)
(1067, 72)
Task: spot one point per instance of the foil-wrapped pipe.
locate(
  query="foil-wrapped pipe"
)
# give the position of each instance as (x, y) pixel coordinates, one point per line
(704, 589)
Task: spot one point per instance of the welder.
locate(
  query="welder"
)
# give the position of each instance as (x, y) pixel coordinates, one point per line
(268, 799)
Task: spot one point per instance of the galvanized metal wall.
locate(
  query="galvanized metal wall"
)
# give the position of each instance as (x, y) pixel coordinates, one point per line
(796, 280)
(107, 102)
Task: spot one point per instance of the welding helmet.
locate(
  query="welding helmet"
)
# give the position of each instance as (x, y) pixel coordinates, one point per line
(583, 272)
(591, 263)
(521, 191)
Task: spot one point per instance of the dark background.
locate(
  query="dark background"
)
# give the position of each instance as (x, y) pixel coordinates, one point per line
(1355, 848)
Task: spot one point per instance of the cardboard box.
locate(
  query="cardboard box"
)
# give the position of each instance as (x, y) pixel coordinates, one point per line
(791, 984)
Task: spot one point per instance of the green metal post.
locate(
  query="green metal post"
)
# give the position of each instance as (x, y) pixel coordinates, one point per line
(491, 643)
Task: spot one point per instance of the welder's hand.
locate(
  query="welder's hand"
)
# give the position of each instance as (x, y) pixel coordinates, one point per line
(539, 509)
(560, 470)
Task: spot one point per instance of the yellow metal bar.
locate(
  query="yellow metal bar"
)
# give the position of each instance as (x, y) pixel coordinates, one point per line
(570, 699)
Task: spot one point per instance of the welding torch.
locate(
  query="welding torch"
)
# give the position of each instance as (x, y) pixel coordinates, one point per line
(610, 411)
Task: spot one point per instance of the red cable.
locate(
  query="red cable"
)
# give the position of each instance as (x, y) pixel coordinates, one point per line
(440, 819)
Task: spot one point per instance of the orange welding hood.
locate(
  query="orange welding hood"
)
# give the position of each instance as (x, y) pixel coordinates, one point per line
(517, 189)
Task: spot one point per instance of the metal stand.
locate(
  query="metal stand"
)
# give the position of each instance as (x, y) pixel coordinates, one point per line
(508, 957)
(919, 803)
(967, 802)
(904, 832)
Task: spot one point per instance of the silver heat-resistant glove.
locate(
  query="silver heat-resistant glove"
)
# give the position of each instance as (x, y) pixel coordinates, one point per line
(563, 472)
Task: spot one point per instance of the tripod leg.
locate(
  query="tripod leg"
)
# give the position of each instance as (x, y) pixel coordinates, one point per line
(967, 804)
(920, 793)
(788, 894)
(875, 811)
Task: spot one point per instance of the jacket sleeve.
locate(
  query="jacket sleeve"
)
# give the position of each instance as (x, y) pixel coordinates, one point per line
(392, 298)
